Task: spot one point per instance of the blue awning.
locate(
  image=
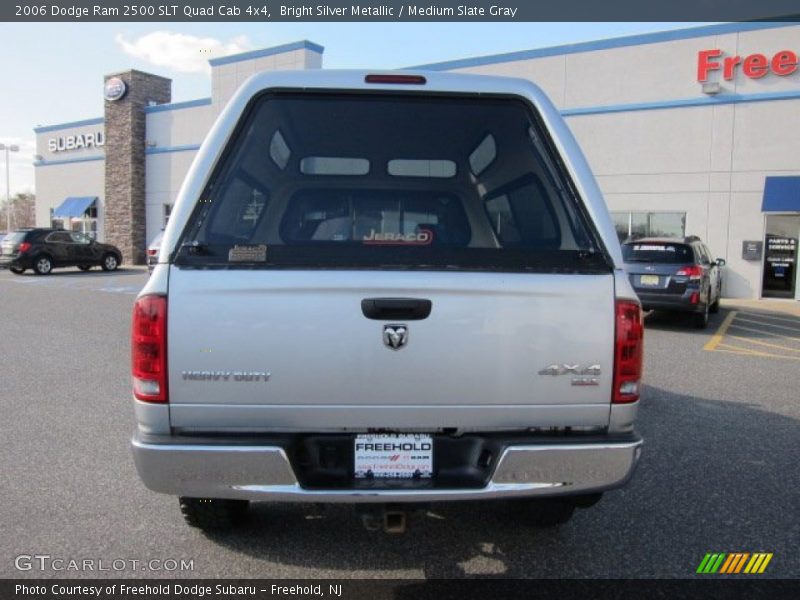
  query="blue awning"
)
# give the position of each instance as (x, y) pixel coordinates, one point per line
(781, 194)
(74, 206)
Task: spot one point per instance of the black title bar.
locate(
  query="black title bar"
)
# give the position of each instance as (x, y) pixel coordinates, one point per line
(750, 588)
(397, 10)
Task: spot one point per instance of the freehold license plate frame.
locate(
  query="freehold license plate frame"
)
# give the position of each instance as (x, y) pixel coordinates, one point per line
(393, 456)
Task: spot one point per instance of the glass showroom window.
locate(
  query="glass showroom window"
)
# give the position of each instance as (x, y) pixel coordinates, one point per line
(622, 223)
(54, 222)
(86, 223)
(649, 224)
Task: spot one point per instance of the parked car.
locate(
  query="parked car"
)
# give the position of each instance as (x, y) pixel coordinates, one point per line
(152, 251)
(676, 274)
(387, 289)
(44, 249)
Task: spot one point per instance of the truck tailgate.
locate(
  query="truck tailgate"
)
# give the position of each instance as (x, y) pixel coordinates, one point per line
(482, 359)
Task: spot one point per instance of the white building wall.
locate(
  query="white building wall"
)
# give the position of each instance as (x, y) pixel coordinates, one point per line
(180, 127)
(635, 74)
(165, 174)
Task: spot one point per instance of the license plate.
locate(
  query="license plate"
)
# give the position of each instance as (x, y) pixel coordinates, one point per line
(649, 280)
(394, 456)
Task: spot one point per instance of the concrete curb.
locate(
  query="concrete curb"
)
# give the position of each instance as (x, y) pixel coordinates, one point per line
(790, 307)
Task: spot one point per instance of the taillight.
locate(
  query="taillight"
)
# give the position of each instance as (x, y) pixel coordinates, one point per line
(152, 252)
(628, 352)
(24, 247)
(693, 272)
(149, 349)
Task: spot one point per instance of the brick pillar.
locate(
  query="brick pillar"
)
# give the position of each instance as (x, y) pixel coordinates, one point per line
(124, 215)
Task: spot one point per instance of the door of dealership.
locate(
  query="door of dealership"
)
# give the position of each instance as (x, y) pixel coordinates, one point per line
(780, 257)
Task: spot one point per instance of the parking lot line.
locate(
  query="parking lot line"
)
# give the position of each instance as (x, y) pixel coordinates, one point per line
(760, 343)
(723, 347)
(741, 318)
(731, 349)
(795, 320)
(717, 337)
(761, 331)
(732, 352)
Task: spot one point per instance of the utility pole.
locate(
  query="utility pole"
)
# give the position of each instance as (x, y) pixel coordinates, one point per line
(8, 148)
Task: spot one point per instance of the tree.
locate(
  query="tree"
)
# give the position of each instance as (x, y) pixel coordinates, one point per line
(23, 211)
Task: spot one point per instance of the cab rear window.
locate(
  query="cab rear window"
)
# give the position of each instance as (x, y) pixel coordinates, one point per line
(389, 180)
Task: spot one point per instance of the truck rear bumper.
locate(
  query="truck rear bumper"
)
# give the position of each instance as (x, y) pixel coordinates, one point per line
(264, 472)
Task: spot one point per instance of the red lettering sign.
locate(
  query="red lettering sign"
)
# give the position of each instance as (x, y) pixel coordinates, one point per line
(754, 66)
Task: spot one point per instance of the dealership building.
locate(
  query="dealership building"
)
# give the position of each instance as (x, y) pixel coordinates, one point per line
(689, 132)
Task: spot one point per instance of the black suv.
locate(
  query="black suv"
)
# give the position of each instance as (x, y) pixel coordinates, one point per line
(675, 274)
(45, 249)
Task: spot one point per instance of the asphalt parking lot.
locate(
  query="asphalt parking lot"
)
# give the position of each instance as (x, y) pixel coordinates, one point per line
(719, 473)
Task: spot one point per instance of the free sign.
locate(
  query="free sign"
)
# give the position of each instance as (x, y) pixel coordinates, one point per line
(754, 66)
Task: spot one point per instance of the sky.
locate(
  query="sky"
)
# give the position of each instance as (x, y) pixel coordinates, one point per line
(53, 72)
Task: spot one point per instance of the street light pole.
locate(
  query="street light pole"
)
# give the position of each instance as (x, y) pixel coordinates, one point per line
(8, 148)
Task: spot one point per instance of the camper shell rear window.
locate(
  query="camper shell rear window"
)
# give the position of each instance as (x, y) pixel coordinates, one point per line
(390, 180)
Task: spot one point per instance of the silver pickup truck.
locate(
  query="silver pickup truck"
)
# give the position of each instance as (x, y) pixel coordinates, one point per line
(386, 289)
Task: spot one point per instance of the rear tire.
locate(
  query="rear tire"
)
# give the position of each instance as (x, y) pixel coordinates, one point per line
(700, 320)
(43, 265)
(110, 262)
(213, 514)
(17, 270)
(545, 513)
(714, 308)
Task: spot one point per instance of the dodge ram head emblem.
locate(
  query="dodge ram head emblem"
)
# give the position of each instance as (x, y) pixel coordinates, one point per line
(395, 336)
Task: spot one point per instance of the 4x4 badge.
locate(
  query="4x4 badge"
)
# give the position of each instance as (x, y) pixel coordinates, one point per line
(395, 336)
